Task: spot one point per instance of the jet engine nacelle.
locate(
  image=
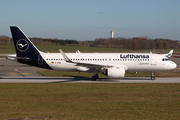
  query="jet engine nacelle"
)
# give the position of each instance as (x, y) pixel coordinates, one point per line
(115, 72)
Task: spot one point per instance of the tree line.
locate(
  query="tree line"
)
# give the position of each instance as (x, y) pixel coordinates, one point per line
(134, 43)
(5, 40)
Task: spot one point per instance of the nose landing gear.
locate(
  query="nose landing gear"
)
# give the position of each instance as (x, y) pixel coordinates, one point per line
(152, 76)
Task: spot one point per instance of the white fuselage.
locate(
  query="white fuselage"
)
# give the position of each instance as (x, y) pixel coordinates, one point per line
(112, 65)
(132, 61)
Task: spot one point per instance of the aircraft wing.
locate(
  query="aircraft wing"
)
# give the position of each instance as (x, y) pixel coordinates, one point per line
(90, 65)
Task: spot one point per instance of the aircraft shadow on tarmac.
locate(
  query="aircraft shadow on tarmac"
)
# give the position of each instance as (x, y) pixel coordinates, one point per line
(71, 79)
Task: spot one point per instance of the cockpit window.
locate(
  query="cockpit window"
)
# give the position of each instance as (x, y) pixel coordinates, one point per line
(165, 59)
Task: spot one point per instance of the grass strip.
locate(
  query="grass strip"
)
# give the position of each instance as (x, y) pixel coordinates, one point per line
(81, 101)
(55, 48)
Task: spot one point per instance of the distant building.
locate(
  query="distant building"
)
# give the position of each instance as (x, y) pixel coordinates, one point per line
(112, 33)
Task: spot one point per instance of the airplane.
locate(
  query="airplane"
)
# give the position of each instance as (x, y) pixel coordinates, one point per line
(113, 65)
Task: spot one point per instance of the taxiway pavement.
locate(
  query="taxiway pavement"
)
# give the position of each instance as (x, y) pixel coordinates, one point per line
(84, 80)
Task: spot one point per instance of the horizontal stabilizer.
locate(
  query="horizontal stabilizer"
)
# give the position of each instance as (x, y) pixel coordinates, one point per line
(13, 57)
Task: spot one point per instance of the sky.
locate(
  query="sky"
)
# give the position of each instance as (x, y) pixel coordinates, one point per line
(91, 19)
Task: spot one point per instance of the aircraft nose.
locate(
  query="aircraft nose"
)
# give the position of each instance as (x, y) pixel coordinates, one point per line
(173, 65)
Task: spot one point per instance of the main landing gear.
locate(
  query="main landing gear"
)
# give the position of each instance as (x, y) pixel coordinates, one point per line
(93, 78)
(152, 76)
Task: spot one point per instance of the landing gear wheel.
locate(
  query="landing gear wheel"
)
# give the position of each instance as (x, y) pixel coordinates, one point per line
(93, 78)
(96, 76)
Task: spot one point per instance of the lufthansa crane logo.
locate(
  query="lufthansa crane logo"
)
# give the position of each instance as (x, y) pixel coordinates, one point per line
(22, 45)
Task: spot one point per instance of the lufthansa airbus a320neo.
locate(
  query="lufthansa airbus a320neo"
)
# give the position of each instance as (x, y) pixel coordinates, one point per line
(114, 65)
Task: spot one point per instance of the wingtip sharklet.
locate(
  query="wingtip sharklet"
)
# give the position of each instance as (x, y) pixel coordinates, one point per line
(170, 53)
(65, 57)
